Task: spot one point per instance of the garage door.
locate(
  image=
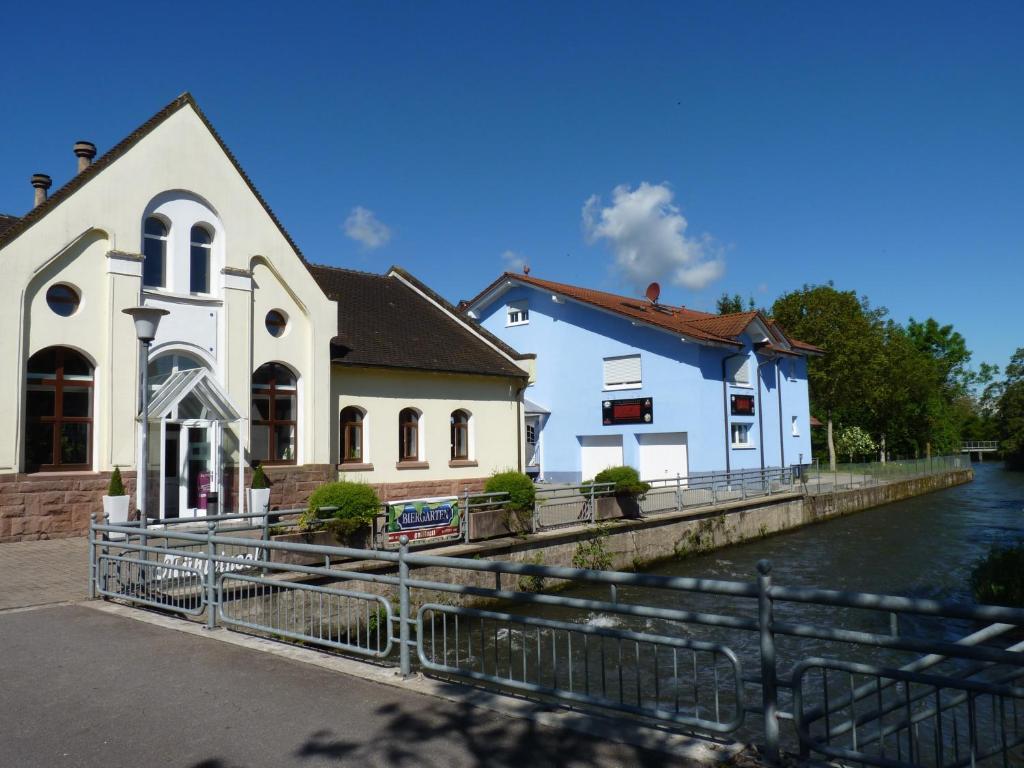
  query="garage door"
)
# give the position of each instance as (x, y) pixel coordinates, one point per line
(599, 452)
(662, 455)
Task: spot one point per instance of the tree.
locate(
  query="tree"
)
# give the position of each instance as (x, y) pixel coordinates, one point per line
(854, 441)
(845, 381)
(727, 305)
(1010, 413)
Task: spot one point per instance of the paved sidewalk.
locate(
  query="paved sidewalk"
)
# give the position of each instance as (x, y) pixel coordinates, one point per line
(42, 572)
(83, 687)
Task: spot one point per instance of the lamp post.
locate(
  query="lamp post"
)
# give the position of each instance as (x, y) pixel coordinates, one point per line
(146, 320)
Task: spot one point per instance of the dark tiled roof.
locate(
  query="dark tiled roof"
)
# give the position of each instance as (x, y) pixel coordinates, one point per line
(382, 322)
(81, 179)
(6, 222)
(702, 326)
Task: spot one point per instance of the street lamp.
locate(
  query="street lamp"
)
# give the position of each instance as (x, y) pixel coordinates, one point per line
(146, 320)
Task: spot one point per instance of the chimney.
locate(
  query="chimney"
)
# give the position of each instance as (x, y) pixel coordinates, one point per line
(85, 151)
(42, 183)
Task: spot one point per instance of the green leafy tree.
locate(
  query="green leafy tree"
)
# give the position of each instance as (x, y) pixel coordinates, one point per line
(727, 305)
(1010, 411)
(854, 441)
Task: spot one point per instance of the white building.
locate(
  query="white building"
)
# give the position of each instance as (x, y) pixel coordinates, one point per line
(248, 365)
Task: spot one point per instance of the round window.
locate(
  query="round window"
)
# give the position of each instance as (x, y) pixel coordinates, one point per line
(276, 322)
(62, 299)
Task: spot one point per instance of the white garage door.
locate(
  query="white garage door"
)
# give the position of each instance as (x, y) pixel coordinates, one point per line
(599, 452)
(662, 455)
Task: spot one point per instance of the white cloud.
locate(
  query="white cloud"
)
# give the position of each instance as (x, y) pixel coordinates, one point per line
(513, 261)
(647, 234)
(363, 226)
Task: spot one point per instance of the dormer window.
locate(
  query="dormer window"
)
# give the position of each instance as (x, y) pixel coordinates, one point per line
(518, 313)
(154, 250)
(199, 267)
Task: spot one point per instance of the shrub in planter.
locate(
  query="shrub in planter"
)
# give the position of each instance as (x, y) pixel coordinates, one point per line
(521, 493)
(998, 579)
(345, 508)
(259, 494)
(626, 491)
(115, 503)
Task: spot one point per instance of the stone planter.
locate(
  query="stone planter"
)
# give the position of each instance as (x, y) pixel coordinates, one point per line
(616, 507)
(361, 539)
(492, 523)
(259, 503)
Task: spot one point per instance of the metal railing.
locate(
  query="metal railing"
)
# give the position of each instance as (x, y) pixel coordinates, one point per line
(883, 680)
(971, 446)
(820, 479)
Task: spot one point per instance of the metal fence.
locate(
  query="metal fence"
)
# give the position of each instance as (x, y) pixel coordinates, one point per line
(862, 475)
(882, 680)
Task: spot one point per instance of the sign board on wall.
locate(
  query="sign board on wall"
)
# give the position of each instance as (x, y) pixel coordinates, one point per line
(742, 405)
(637, 410)
(424, 520)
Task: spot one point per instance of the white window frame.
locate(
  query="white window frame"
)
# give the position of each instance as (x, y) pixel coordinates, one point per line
(629, 382)
(518, 313)
(796, 426)
(736, 425)
(733, 370)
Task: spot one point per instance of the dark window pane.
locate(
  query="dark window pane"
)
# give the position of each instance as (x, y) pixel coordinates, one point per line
(260, 408)
(284, 408)
(201, 236)
(153, 263)
(199, 274)
(355, 442)
(75, 364)
(285, 448)
(76, 402)
(260, 443)
(62, 299)
(275, 322)
(155, 227)
(38, 444)
(74, 443)
(44, 362)
(40, 402)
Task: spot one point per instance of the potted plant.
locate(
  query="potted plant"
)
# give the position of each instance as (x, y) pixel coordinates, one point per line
(345, 510)
(623, 498)
(115, 503)
(259, 495)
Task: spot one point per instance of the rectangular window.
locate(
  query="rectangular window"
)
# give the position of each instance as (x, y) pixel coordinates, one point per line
(622, 372)
(737, 371)
(518, 313)
(153, 263)
(796, 428)
(740, 435)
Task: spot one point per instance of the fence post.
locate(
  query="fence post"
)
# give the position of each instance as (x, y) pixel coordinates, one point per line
(465, 512)
(92, 556)
(593, 512)
(405, 666)
(211, 575)
(679, 492)
(769, 688)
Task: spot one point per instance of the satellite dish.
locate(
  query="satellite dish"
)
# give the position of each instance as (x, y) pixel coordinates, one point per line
(653, 293)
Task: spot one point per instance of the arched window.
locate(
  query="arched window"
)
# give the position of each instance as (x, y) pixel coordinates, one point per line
(408, 435)
(199, 268)
(273, 414)
(58, 411)
(154, 251)
(352, 436)
(460, 434)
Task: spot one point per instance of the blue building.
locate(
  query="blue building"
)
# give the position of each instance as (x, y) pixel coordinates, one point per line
(665, 389)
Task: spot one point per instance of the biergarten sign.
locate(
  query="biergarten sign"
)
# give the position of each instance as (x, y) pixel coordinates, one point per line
(424, 520)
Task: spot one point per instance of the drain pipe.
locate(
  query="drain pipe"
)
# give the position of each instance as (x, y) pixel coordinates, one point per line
(760, 410)
(782, 434)
(725, 410)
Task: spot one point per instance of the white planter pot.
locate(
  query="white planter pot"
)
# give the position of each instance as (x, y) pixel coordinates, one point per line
(259, 504)
(115, 512)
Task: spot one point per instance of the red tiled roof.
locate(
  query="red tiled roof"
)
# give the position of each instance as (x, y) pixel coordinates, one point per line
(701, 326)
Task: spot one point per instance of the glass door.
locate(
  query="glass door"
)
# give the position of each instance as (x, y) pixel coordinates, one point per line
(197, 469)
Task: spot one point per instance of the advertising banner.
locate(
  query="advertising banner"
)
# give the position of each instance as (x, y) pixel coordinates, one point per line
(424, 520)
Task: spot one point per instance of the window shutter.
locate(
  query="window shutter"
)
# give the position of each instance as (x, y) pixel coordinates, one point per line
(622, 371)
(738, 371)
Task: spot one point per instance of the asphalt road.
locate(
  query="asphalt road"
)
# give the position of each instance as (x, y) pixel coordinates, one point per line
(79, 687)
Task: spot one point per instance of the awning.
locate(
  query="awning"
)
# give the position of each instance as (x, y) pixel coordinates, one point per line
(533, 409)
(192, 394)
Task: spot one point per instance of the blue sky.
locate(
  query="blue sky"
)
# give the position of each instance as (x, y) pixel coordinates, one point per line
(740, 147)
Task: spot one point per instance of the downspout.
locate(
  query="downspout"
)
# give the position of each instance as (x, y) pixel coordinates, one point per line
(760, 412)
(725, 408)
(520, 448)
(782, 438)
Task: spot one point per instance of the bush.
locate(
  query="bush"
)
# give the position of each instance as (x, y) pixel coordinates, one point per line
(259, 478)
(998, 579)
(116, 487)
(517, 485)
(627, 481)
(356, 504)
